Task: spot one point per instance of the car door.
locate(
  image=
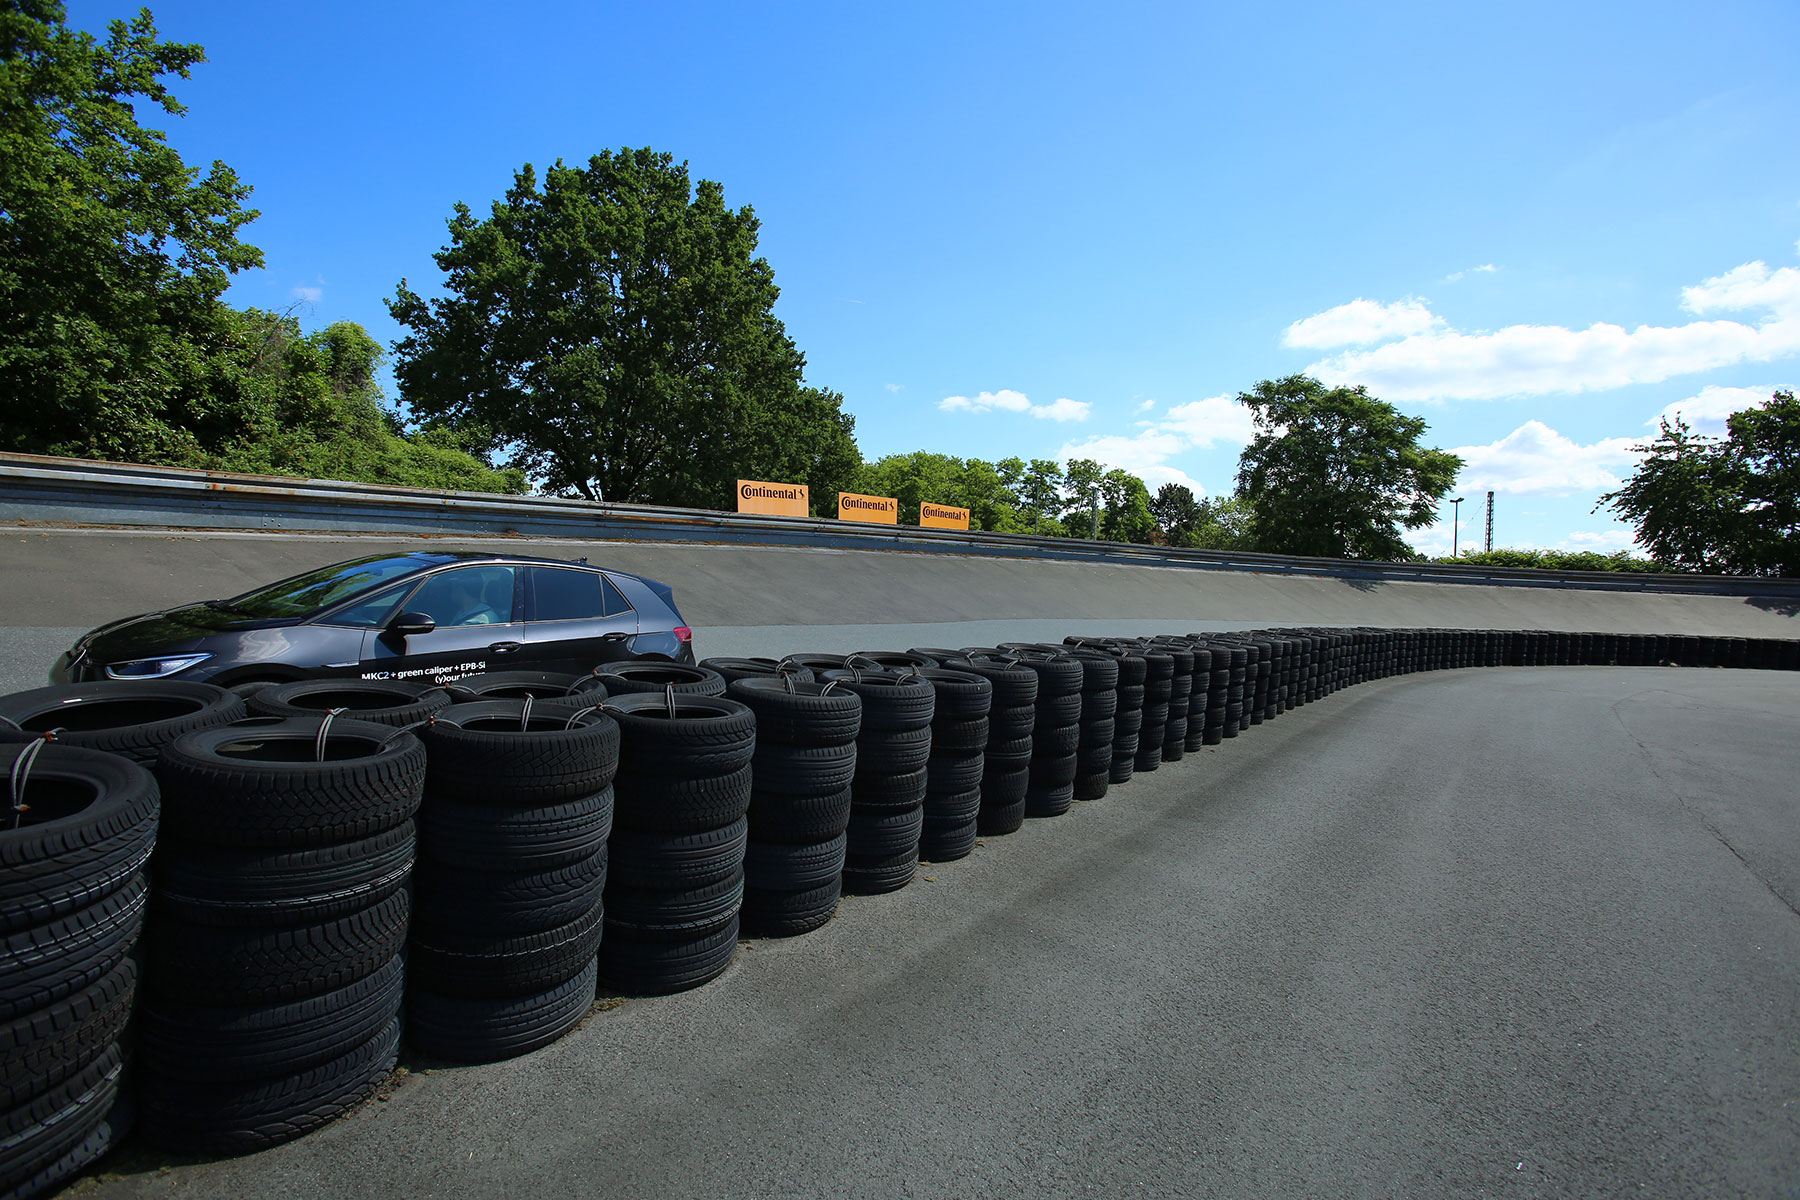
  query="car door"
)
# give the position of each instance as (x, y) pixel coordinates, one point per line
(575, 619)
(475, 609)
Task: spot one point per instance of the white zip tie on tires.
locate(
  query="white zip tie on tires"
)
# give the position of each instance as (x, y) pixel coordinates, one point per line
(324, 733)
(21, 771)
(525, 714)
(669, 697)
(580, 713)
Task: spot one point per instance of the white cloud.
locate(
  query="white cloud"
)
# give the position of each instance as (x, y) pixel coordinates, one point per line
(1603, 541)
(1206, 423)
(311, 295)
(1145, 455)
(1440, 363)
(892, 387)
(1359, 323)
(1146, 406)
(1483, 269)
(1536, 458)
(1006, 400)
(1706, 412)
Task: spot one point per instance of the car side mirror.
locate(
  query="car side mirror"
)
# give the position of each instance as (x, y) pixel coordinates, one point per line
(409, 623)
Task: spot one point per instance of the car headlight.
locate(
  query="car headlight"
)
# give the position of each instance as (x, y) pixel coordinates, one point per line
(153, 668)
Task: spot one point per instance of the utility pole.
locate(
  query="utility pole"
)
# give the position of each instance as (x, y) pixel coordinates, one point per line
(1488, 545)
(1455, 522)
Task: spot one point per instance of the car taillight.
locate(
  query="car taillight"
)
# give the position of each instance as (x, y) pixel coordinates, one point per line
(684, 635)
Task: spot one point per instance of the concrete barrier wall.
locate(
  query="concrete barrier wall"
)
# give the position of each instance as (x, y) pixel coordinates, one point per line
(59, 577)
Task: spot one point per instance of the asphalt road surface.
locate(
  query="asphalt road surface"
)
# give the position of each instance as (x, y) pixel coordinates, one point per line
(1523, 932)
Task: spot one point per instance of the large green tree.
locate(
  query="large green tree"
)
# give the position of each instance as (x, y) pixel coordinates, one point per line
(612, 333)
(1726, 505)
(1336, 473)
(113, 252)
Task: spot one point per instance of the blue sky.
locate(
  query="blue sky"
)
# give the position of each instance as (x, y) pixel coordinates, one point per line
(1050, 230)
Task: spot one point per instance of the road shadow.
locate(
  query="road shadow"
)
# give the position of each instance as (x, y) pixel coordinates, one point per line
(1786, 606)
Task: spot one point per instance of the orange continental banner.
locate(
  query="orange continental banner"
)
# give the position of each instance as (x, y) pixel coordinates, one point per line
(773, 499)
(943, 516)
(883, 509)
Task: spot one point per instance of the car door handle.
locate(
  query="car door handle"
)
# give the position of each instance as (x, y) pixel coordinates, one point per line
(614, 637)
(505, 647)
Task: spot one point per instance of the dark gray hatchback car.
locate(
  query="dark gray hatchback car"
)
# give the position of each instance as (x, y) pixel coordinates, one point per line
(427, 615)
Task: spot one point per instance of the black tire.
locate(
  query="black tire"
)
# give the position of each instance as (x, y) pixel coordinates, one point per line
(480, 752)
(115, 1123)
(629, 677)
(1049, 800)
(706, 735)
(1054, 770)
(1008, 755)
(1004, 787)
(775, 817)
(893, 752)
(555, 687)
(952, 808)
(69, 954)
(486, 1029)
(883, 833)
(789, 914)
(807, 715)
(891, 700)
(1092, 786)
(959, 736)
(1058, 741)
(657, 968)
(961, 695)
(734, 669)
(951, 774)
(902, 661)
(212, 885)
(1011, 724)
(803, 770)
(47, 1045)
(243, 1043)
(670, 804)
(219, 967)
(456, 963)
(212, 1118)
(89, 827)
(874, 789)
(674, 914)
(1014, 686)
(793, 867)
(39, 1133)
(536, 836)
(257, 785)
(947, 842)
(382, 701)
(132, 718)
(879, 876)
(507, 902)
(678, 860)
(999, 819)
(1058, 711)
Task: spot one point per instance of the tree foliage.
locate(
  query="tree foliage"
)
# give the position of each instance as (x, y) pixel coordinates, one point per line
(1336, 473)
(1200, 523)
(612, 333)
(113, 252)
(1554, 560)
(1726, 505)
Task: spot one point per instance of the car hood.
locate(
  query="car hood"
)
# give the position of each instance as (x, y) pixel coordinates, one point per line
(169, 632)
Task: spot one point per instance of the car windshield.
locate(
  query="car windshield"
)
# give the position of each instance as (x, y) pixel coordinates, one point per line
(308, 593)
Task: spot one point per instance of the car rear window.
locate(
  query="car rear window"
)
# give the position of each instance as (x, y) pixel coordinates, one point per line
(571, 595)
(308, 593)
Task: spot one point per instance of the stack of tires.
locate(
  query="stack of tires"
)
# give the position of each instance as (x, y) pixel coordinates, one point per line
(1159, 677)
(280, 913)
(1199, 693)
(79, 830)
(1006, 760)
(543, 687)
(799, 801)
(386, 701)
(1210, 687)
(887, 810)
(733, 669)
(1098, 721)
(1056, 728)
(631, 677)
(512, 868)
(677, 867)
(1235, 674)
(959, 738)
(1128, 719)
(1181, 689)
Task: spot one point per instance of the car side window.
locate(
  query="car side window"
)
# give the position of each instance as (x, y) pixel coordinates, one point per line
(371, 613)
(560, 594)
(467, 596)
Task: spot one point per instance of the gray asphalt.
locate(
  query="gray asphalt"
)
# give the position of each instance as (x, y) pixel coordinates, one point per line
(1507, 932)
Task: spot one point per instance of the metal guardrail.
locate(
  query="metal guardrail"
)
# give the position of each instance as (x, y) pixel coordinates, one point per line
(38, 490)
